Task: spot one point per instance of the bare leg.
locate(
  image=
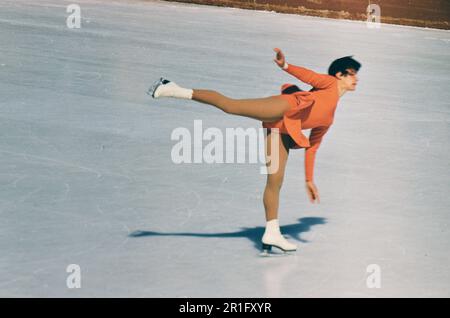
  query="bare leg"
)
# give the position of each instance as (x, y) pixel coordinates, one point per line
(274, 180)
(265, 109)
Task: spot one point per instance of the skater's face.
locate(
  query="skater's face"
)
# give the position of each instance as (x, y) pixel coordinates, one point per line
(349, 80)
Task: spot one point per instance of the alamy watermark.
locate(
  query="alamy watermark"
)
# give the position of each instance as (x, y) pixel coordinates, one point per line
(73, 21)
(373, 16)
(374, 279)
(230, 148)
(74, 279)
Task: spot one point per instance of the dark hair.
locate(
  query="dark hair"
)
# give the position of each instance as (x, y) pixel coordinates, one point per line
(343, 64)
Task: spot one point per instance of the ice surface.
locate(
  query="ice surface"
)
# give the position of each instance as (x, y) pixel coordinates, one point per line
(86, 175)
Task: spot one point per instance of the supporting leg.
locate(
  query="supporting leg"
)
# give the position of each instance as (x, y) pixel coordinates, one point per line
(275, 179)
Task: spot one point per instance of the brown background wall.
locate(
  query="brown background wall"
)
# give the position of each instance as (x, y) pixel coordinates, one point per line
(423, 13)
(412, 9)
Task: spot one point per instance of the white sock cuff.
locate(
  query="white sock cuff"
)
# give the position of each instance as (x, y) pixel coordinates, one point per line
(186, 93)
(273, 226)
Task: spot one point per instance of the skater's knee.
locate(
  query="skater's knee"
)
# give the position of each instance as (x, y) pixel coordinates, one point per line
(229, 105)
(274, 182)
(226, 109)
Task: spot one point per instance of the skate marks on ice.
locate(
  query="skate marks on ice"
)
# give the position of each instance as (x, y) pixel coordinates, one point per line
(254, 234)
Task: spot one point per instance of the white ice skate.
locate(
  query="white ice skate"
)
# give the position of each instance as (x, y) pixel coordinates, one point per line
(165, 88)
(277, 240)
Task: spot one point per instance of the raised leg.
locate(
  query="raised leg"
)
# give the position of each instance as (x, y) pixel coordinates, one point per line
(266, 109)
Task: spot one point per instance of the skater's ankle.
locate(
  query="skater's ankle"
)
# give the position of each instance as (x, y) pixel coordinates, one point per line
(272, 227)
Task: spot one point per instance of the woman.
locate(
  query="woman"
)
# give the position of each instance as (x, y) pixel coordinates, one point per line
(289, 112)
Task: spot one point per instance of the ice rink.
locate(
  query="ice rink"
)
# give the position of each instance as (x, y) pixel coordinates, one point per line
(86, 175)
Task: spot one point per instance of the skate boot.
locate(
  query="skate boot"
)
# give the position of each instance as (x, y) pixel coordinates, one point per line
(272, 238)
(165, 88)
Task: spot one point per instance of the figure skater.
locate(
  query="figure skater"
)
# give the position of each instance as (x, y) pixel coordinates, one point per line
(290, 112)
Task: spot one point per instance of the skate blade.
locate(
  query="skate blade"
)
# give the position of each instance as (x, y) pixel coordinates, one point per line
(267, 251)
(274, 254)
(151, 91)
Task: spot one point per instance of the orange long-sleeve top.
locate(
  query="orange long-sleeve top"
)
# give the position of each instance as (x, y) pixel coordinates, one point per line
(310, 110)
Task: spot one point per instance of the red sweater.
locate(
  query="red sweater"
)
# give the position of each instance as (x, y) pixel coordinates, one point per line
(310, 110)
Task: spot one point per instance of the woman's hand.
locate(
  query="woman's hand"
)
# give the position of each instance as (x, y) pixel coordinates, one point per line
(313, 192)
(279, 59)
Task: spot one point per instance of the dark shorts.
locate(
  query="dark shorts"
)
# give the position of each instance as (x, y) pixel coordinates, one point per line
(287, 140)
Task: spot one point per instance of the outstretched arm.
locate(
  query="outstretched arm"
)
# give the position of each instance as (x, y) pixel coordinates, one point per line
(305, 75)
